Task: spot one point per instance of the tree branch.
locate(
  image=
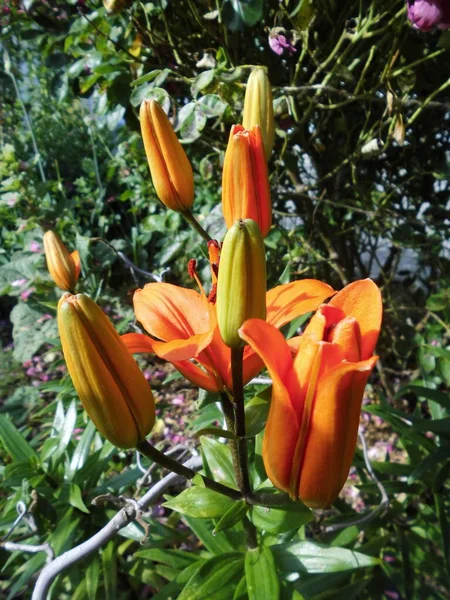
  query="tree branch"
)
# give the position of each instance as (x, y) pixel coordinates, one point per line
(102, 537)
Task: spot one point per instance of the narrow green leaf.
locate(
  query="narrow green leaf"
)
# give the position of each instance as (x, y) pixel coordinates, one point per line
(81, 452)
(407, 567)
(234, 514)
(25, 573)
(256, 413)
(109, 571)
(280, 519)
(76, 500)
(179, 559)
(15, 444)
(240, 593)
(216, 432)
(400, 426)
(201, 503)
(440, 426)
(261, 574)
(430, 462)
(216, 544)
(312, 557)
(423, 392)
(218, 459)
(65, 433)
(441, 477)
(445, 530)
(217, 578)
(92, 578)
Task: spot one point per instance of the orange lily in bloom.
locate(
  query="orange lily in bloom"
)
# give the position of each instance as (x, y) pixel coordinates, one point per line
(245, 179)
(185, 325)
(311, 432)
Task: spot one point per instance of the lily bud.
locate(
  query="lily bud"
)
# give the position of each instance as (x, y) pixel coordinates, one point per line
(111, 387)
(258, 108)
(245, 179)
(63, 267)
(241, 285)
(170, 168)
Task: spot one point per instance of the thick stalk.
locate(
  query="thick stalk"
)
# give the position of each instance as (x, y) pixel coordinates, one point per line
(250, 534)
(146, 449)
(228, 413)
(196, 225)
(238, 395)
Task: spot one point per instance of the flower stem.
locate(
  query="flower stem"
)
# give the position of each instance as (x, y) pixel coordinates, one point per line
(196, 225)
(250, 534)
(228, 412)
(146, 449)
(242, 475)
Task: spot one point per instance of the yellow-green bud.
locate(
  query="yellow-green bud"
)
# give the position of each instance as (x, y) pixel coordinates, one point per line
(258, 108)
(111, 387)
(241, 285)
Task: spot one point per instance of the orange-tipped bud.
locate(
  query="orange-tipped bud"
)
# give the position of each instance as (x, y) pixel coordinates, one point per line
(241, 285)
(111, 387)
(63, 267)
(258, 108)
(170, 168)
(245, 180)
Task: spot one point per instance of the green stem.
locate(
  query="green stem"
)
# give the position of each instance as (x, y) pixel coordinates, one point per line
(196, 225)
(242, 475)
(250, 534)
(146, 449)
(228, 413)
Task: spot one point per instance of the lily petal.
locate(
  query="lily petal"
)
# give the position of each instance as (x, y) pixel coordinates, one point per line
(76, 259)
(333, 430)
(290, 300)
(138, 343)
(282, 427)
(197, 376)
(171, 313)
(362, 300)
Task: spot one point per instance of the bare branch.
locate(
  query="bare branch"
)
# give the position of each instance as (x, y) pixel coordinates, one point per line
(125, 516)
(18, 547)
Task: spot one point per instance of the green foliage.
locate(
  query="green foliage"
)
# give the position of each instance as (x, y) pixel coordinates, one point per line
(352, 199)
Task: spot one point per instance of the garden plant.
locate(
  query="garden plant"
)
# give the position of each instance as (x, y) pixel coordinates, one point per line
(224, 297)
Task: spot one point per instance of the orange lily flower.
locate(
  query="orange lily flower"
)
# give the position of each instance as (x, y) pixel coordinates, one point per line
(184, 324)
(311, 432)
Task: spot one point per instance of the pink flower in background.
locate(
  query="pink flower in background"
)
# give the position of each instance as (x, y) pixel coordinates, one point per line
(27, 293)
(18, 282)
(35, 246)
(278, 42)
(428, 14)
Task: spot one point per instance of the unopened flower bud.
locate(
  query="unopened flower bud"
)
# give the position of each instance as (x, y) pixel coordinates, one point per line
(245, 179)
(241, 286)
(170, 168)
(111, 387)
(258, 108)
(63, 267)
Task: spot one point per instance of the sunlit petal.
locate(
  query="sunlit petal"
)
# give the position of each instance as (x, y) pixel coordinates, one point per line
(362, 300)
(288, 301)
